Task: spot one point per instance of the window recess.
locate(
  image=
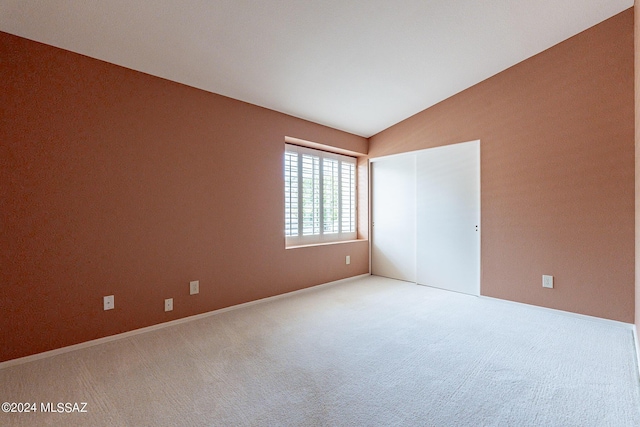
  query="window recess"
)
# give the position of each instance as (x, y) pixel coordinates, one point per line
(320, 196)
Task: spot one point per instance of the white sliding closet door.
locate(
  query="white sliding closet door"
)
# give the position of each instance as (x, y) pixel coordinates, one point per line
(448, 217)
(425, 211)
(393, 215)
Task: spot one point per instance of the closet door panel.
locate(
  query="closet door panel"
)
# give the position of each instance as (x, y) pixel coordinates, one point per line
(393, 214)
(448, 217)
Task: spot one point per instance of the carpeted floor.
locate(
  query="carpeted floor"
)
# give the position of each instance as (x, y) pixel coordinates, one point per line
(367, 352)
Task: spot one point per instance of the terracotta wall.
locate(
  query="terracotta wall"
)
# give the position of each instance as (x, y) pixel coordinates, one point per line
(637, 157)
(116, 182)
(557, 178)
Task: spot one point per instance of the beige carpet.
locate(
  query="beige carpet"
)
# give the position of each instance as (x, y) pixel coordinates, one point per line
(369, 352)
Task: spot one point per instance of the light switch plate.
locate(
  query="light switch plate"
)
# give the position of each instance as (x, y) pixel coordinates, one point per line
(194, 287)
(109, 302)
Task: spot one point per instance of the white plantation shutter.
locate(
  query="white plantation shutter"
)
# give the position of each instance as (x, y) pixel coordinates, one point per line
(310, 197)
(348, 180)
(320, 196)
(291, 193)
(330, 196)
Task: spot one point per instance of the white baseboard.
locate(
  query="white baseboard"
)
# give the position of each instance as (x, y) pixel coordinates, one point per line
(127, 334)
(610, 322)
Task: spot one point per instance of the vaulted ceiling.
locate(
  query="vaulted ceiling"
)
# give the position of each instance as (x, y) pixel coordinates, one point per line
(355, 65)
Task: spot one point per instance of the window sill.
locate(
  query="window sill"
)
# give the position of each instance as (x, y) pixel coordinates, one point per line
(326, 243)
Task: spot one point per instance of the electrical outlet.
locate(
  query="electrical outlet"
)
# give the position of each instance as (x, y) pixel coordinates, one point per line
(348, 260)
(194, 287)
(168, 304)
(109, 302)
(547, 281)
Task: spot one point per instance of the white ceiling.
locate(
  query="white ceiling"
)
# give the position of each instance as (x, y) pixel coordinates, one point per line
(355, 65)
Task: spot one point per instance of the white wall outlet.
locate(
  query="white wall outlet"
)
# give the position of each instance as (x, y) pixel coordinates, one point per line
(547, 281)
(109, 302)
(168, 304)
(348, 260)
(194, 287)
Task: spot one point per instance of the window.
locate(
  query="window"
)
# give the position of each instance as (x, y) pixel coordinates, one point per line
(319, 196)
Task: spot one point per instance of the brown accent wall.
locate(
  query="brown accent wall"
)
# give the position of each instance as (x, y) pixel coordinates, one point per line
(117, 182)
(636, 27)
(557, 170)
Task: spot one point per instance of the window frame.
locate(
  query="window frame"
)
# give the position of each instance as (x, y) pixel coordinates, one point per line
(322, 236)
